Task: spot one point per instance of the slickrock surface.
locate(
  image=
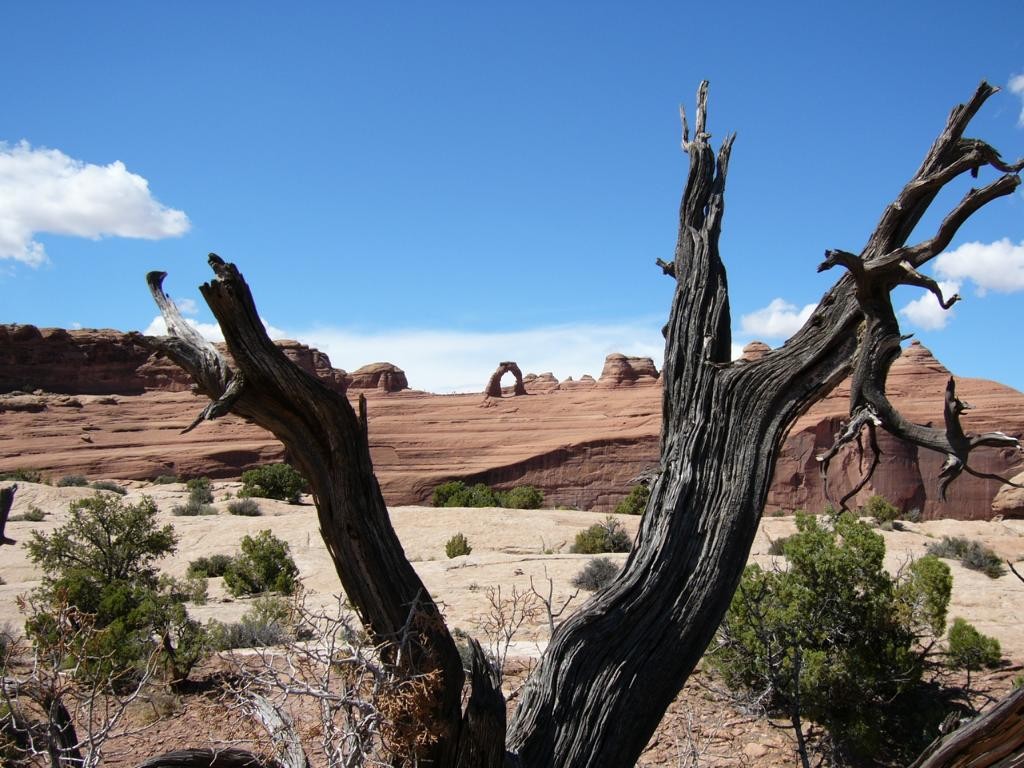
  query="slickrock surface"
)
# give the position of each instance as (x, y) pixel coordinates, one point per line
(580, 442)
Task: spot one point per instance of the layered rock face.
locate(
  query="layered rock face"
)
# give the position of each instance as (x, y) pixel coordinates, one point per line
(104, 362)
(580, 442)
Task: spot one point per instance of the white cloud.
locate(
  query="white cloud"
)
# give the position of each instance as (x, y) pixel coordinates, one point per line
(187, 306)
(997, 266)
(44, 190)
(926, 313)
(1017, 87)
(779, 320)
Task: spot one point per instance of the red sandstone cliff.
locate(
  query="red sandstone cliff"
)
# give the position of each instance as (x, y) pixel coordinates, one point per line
(580, 442)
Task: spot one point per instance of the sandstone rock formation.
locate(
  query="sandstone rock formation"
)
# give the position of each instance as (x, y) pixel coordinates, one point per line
(385, 377)
(622, 371)
(105, 361)
(540, 383)
(580, 443)
(493, 388)
(755, 350)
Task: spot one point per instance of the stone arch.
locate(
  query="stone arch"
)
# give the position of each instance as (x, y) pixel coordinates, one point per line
(494, 384)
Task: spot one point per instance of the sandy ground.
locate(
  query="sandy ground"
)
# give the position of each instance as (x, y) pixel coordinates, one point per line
(510, 547)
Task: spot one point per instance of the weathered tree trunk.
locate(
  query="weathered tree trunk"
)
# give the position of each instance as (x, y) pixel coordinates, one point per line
(994, 739)
(612, 669)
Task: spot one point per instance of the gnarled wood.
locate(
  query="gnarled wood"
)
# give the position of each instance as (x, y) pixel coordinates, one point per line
(994, 739)
(627, 652)
(327, 442)
(6, 501)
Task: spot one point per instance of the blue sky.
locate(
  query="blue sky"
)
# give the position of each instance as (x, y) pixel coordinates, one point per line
(449, 185)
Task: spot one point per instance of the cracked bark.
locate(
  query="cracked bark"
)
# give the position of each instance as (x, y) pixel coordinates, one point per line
(627, 652)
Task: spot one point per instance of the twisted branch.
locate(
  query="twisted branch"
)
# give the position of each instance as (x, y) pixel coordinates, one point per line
(887, 262)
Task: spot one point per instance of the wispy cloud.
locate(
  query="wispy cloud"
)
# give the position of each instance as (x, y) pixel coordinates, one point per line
(926, 313)
(1016, 85)
(45, 191)
(779, 320)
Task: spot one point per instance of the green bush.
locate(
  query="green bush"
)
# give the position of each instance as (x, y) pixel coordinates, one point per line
(599, 538)
(166, 479)
(102, 562)
(635, 502)
(191, 589)
(273, 481)
(880, 510)
(456, 493)
(192, 508)
(245, 508)
(264, 565)
(209, 567)
(777, 547)
(457, 545)
(971, 650)
(836, 640)
(72, 481)
(521, 497)
(108, 485)
(596, 574)
(32, 515)
(971, 554)
(199, 490)
(264, 624)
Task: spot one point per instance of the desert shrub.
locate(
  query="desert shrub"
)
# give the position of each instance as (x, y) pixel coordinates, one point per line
(971, 554)
(199, 490)
(457, 494)
(245, 508)
(264, 624)
(191, 589)
(880, 510)
(72, 481)
(446, 491)
(457, 545)
(596, 574)
(521, 497)
(836, 640)
(970, 649)
(101, 562)
(209, 567)
(192, 508)
(264, 565)
(778, 546)
(273, 481)
(23, 476)
(108, 485)
(166, 479)
(599, 538)
(635, 502)
(913, 515)
(32, 515)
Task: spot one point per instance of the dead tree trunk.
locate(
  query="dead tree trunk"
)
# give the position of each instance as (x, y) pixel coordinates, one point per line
(622, 658)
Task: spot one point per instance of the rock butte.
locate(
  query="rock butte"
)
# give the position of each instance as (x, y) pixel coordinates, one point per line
(95, 403)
